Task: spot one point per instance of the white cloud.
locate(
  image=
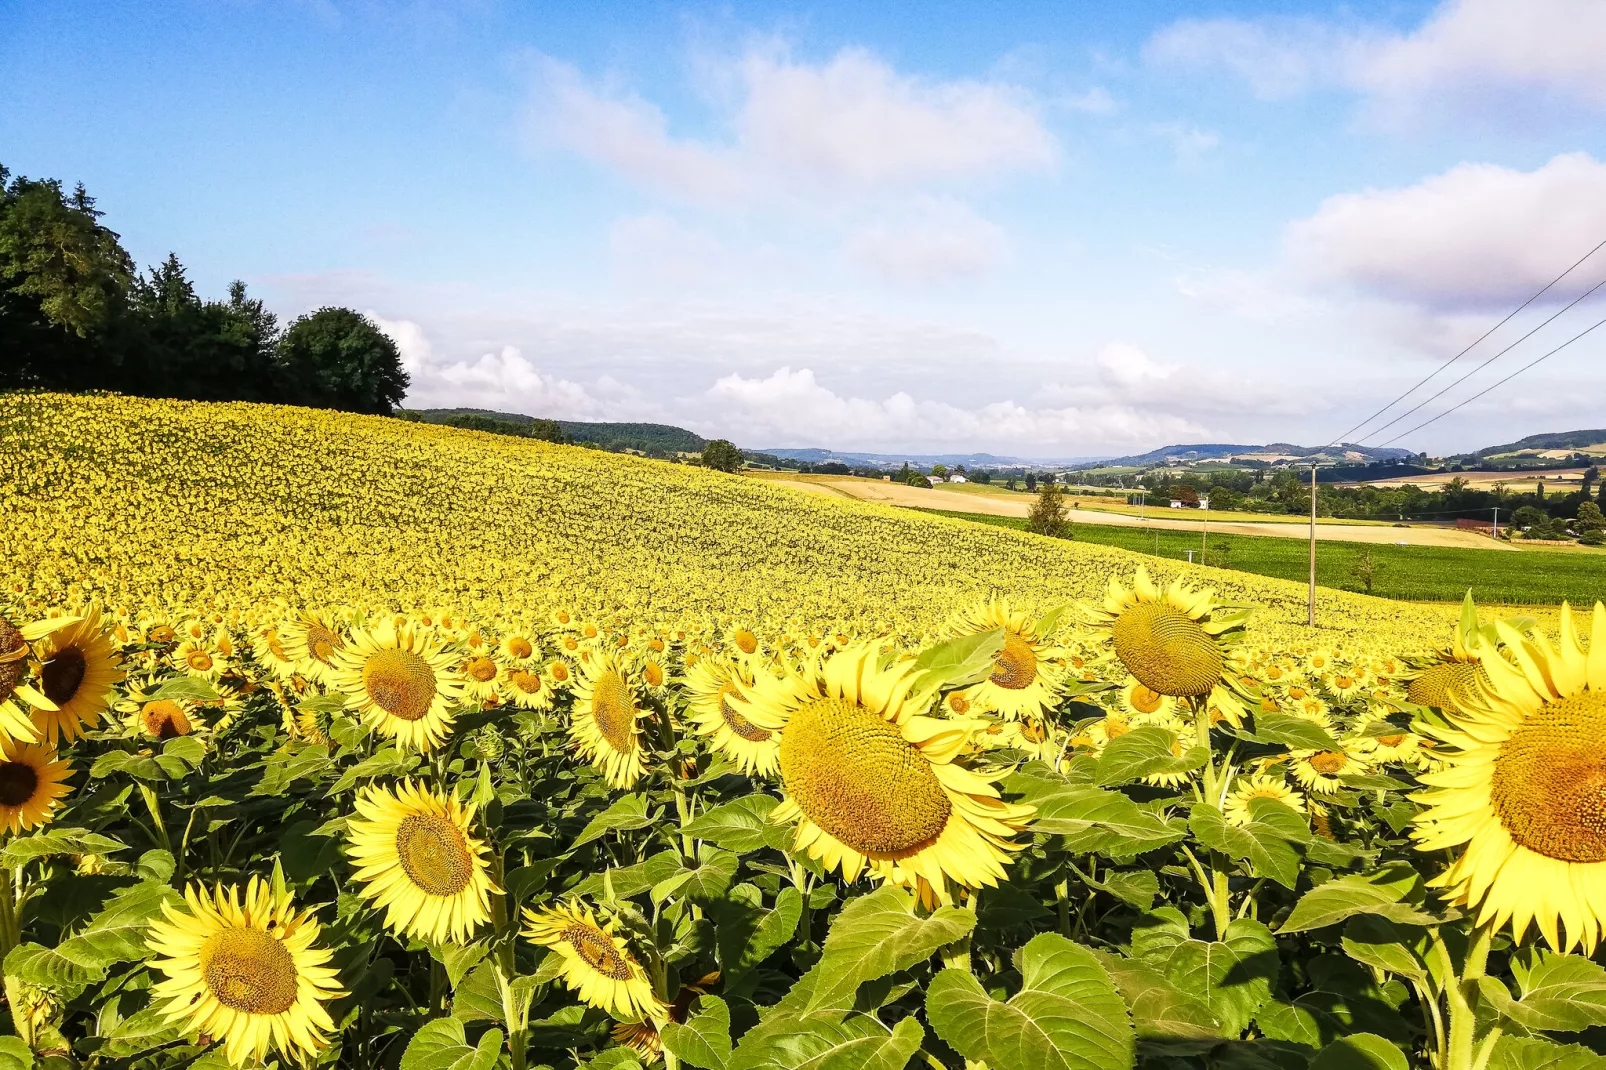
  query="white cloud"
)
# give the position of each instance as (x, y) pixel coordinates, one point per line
(1188, 142)
(849, 127)
(792, 408)
(660, 251)
(1466, 52)
(1128, 366)
(936, 241)
(1476, 236)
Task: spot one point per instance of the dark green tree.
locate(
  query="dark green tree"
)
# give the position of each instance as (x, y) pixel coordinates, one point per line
(1048, 514)
(336, 358)
(722, 456)
(1031, 482)
(63, 277)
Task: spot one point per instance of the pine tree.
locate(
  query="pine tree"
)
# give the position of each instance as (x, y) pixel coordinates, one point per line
(1048, 514)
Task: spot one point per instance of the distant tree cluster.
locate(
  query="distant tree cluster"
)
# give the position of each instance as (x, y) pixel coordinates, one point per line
(545, 430)
(75, 314)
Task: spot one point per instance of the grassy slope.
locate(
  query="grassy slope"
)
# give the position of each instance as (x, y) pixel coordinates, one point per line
(1418, 573)
(228, 505)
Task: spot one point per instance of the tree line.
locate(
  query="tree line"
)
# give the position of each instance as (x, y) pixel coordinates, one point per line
(76, 314)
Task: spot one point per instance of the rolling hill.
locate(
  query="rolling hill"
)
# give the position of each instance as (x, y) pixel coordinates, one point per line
(1555, 440)
(645, 438)
(224, 506)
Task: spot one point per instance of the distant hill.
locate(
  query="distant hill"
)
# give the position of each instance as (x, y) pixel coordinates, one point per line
(647, 438)
(1555, 440)
(1220, 451)
(895, 460)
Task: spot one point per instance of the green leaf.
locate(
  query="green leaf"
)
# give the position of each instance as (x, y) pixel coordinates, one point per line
(1265, 848)
(1233, 977)
(459, 958)
(478, 998)
(1560, 993)
(186, 689)
(442, 1044)
(48, 968)
(284, 769)
(959, 662)
(1161, 1012)
(14, 1054)
(741, 826)
(1388, 893)
(1290, 731)
(715, 870)
(627, 881)
(1383, 945)
(1066, 1016)
(627, 813)
(117, 933)
(1106, 822)
(875, 935)
(1522, 1053)
(1137, 887)
(1361, 1051)
(387, 761)
(1143, 751)
(704, 1041)
(828, 1040)
(746, 935)
(138, 766)
(181, 755)
(137, 1033)
(63, 841)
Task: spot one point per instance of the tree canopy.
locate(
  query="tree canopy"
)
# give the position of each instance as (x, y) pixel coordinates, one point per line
(75, 314)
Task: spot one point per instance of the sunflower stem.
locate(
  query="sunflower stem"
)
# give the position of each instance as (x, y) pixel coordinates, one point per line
(1463, 1020)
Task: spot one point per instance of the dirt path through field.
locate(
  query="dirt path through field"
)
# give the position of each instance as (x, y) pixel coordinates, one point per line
(918, 498)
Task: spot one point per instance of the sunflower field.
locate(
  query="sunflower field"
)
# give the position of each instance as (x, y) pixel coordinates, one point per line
(330, 741)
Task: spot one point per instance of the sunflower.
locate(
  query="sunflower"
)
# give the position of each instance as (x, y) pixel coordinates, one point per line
(1320, 770)
(518, 648)
(1028, 676)
(78, 671)
(711, 684)
(1455, 669)
(247, 974)
(196, 657)
(596, 963)
(1141, 703)
(874, 784)
(417, 859)
(524, 687)
(1523, 789)
(310, 642)
(1260, 786)
(603, 722)
(1176, 641)
(163, 718)
(481, 678)
(643, 1038)
(32, 783)
(401, 682)
(14, 722)
(268, 648)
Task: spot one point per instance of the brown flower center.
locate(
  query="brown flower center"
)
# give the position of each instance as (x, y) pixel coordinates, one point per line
(853, 774)
(433, 854)
(737, 723)
(63, 674)
(247, 970)
(596, 949)
(165, 719)
(18, 782)
(1015, 666)
(614, 709)
(1167, 650)
(1549, 783)
(1329, 762)
(482, 669)
(400, 682)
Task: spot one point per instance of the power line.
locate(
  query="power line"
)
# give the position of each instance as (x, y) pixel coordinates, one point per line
(1491, 386)
(1468, 349)
(1479, 368)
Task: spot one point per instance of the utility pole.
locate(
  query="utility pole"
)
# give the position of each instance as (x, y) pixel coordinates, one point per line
(1496, 522)
(1313, 544)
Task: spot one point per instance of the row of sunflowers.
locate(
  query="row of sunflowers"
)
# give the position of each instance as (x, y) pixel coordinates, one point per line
(1130, 831)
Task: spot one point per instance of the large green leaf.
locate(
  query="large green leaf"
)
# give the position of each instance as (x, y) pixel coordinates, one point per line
(746, 934)
(1525, 1053)
(1066, 1016)
(741, 826)
(61, 841)
(1161, 1012)
(1389, 892)
(1143, 751)
(443, 1045)
(1233, 977)
(1106, 822)
(1362, 1051)
(1560, 993)
(959, 662)
(875, 935)
(48, 968)
(706, 881)
(118, 932)
(1289, 731)
(1264, 846)
(826, 1040)
(14, 1054)
(626, 813)
(186, 689)
(1384, 945)
(704, 1040)
(137, 1033)
(387, 761)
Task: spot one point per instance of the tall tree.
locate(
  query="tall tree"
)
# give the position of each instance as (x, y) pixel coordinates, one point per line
(336, 358)
(722, 456)
(1048, 514)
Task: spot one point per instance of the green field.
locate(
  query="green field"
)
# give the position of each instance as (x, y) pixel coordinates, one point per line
(1413, 573)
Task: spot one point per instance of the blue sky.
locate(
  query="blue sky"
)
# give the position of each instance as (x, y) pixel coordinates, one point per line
(1039, 229)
